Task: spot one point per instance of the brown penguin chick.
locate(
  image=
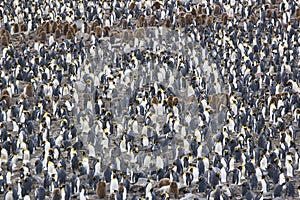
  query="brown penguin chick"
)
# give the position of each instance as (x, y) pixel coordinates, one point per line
(57, 33)
(224, 18)
(124, 24)
(61, 26)
(15, 28)
(21, 38)
(94, 26)
(29, 90)
(203, 17)
(75, 28)
(273, 101)
(140, 21)
(73, 31)
(131, 6)
(65, 28)
(56, 193)
(168, 23)
(252, 19)
(121, 187)
(200, 10)
(163, 182)
(209, 21)
(4, 40)
(98, 31)
(273, 1)
(199, 21)
(188, 19)
(7, 34)
(170, 101)
(47, 27)
(152, 20)
(175, 101)
(23, 27)
(269, 13)
(217, 10)
(39, 29)
(69, 34)
(5, 92)
(2, 31)
(156, 5)
(174, 189)
(43, 36)
(298, 12)
(194, 12)
(143, 22)
(115, 33)
(106, 31)
(53, 27)
(22, 96)
(155, 100)
(101, 189)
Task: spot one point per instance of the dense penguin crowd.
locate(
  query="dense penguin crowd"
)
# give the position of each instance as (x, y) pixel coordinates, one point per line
(179, 99)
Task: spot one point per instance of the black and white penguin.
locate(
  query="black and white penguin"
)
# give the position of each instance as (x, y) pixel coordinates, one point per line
(75, 183)
(114, 184)
(265, 185)
(277, 191)
(202, 184)
(27, 186)
(289, 169)
(253, 181)
(290, 188)
(38, 166)
(187, 178)
(11, 194)
(148, 193)
(215, 193)
(40, 193)
(82, 194)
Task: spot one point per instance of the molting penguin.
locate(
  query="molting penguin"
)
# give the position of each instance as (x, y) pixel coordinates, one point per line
(174, 189)
(101, 189)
